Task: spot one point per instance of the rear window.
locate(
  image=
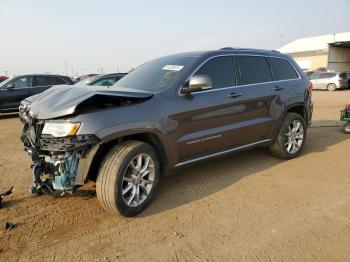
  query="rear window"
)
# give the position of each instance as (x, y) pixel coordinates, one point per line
(59, 81)
(43, 81)
(282, 69)
(344, 75)
(252, 70)
(220, 70)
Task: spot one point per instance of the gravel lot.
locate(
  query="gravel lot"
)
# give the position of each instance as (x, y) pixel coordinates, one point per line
(243, 207)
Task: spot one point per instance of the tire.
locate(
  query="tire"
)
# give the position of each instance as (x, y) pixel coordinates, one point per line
(281, 146)
(331, 87)
(119, 186)
(346, 128)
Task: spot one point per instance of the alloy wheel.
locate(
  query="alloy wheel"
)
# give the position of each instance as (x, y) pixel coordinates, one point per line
(138, 180)
(294, 137)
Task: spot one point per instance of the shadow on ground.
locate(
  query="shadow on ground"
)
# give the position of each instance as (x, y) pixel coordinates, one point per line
(209, 177)
(8, 115)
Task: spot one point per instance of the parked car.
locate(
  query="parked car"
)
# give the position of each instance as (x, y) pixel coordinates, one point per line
(3, 78)
(80, 78)
(168, 113)
(101, 80)
(330, 81)
(14, 90)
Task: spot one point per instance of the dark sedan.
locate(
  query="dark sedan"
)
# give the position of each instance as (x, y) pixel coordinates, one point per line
(14, 90)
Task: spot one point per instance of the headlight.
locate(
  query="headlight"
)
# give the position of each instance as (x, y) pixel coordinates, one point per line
(61, 129)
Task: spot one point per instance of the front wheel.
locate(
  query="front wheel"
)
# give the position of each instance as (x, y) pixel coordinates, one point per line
(291, 137)
(128, 178)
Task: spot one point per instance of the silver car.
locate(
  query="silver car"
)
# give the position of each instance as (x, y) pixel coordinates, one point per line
(330, 81)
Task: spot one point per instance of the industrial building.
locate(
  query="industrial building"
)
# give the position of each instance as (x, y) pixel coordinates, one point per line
(327, 51)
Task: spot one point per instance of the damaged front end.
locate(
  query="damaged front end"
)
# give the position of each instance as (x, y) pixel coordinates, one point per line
(60, 164)
(61, 147)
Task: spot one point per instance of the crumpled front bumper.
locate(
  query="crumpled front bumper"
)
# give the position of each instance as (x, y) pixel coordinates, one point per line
(65, 161)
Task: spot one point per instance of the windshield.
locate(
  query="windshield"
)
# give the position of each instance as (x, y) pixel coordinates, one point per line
(158, 74)
(3, 83)
(86, 81)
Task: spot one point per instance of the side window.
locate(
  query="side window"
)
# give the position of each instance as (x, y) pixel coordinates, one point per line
(21, 82)
(252, 70)
(220, 70)
(283, 69)
(59, 81)
(327, 75)
(314, 76)
(42, 81)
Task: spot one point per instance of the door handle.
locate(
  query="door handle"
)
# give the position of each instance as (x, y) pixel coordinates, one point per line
(234, 95)
(277, 88)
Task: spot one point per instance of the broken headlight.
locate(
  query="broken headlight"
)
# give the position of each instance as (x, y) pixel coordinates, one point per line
(60, 129)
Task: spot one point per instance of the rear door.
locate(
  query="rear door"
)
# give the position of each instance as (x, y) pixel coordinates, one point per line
(260, 98)
(208, 119)
(287, 81)
(324, 80)
(41, 83)
(10, 98)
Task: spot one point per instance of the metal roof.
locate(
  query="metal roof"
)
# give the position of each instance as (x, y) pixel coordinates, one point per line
(314, 43)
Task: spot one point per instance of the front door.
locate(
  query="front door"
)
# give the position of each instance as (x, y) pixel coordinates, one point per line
(14, 92)
(208, 118)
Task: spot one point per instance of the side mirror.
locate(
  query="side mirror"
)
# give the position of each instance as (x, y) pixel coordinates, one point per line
(10, 86)
(198, 83)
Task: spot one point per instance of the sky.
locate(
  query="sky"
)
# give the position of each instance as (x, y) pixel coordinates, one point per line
(90, 36)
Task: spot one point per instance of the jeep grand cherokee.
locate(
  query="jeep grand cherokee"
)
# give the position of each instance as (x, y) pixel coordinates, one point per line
(168, 113)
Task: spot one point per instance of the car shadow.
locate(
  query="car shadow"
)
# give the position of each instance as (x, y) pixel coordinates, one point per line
(8, 115)
(208, 177)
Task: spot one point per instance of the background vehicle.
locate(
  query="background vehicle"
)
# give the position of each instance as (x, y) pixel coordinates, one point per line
(102, 80)
(168, 113)
(345, 116)
(3, 78)
(14, 90)
(330, 81)
(80, 78)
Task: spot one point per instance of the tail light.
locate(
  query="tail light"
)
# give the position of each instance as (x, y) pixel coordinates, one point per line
(309, 88)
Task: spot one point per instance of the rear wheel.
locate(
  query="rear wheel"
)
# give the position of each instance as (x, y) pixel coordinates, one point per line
(347, 128)
(331, 87)
(291, 137)
(128, 178)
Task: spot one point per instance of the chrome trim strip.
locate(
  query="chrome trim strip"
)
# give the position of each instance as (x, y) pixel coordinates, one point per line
(223, 88)
(222, 152)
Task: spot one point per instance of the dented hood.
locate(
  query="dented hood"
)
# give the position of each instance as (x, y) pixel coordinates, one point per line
(62, 100)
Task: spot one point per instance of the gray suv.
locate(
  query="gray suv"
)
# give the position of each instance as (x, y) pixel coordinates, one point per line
(168, 113)
(330, 81)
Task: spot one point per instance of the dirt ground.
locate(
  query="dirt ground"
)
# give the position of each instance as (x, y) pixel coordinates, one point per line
(243, 207)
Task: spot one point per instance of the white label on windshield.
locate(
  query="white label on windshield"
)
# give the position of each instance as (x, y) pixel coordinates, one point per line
(173, 67)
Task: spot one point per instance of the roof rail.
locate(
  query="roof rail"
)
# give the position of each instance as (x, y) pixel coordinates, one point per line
(247, 49)
(227, 48)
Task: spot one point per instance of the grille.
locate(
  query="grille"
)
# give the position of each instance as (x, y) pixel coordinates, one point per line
(50, 143)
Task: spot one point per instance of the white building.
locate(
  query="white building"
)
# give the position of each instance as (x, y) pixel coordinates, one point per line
(330, 51)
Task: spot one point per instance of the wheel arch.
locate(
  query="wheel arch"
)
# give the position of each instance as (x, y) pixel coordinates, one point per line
(147, 136)
(298, 108)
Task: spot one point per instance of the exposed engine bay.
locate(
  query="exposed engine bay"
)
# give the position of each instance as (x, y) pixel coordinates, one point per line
(55, 160)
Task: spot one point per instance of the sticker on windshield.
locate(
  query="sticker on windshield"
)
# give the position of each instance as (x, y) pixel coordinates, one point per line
(167, 77)
(173, 67)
